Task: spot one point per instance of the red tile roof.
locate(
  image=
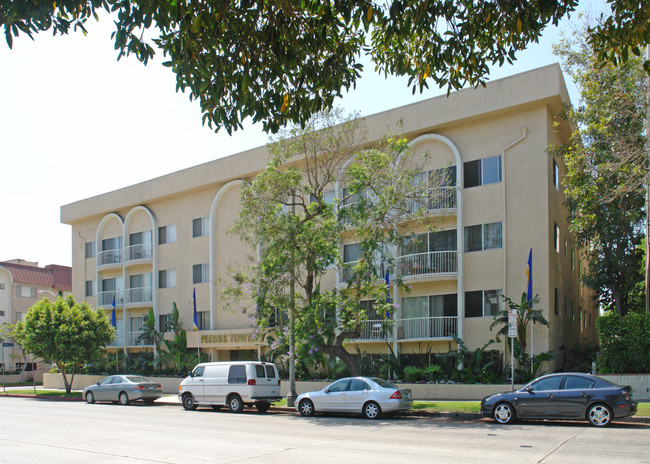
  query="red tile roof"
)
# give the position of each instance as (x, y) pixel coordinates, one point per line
(52, 275)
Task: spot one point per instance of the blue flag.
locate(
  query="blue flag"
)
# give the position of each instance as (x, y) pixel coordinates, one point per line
(113, 322)
(529, 275)
(195, 325)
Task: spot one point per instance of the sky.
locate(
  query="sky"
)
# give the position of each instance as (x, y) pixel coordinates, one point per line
(75, 123)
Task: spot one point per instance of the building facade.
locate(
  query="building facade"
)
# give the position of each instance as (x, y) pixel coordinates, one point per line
(22, 284)
(156, 243)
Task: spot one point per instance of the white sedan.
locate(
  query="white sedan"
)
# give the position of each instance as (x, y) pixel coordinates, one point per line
(369, 396)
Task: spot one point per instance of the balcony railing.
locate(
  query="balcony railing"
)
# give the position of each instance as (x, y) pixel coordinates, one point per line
(141, 251)
(438, 198)
(106, 298)
(139, 295)
(347, 271)
(108, 257)
(434, 262)
(131, 339)
(409, 328)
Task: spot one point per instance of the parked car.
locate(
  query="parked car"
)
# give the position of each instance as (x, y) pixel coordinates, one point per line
(233, 383)
(369, 396)
(568, 395)
(123, 389)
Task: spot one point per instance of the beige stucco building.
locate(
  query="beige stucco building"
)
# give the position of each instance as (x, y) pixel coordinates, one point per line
(22, 284)
(151, 244)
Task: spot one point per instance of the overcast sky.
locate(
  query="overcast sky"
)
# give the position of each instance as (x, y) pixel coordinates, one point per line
(75, 123)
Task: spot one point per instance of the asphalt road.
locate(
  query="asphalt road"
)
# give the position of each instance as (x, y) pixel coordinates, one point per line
(38, 431)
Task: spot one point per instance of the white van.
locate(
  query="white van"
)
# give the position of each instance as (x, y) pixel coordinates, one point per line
(231, 383)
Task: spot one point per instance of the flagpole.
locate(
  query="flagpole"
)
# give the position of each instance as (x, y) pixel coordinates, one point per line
(114, 324)
(196, 327)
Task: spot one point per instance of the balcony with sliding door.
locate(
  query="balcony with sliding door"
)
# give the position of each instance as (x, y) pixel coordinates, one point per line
(431, 256)
(140, 249)
(110, 255)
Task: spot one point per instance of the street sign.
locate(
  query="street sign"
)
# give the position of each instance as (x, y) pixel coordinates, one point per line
(512, 323)
(7, 344)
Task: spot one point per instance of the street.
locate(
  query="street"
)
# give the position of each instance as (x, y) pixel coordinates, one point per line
(38, 431)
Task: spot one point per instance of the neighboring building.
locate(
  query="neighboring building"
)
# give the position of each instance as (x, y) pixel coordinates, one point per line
(152, 244)
(22, 284)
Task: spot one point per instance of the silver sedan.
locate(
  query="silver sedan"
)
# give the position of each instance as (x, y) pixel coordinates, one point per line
(123, 389)
(369, 396)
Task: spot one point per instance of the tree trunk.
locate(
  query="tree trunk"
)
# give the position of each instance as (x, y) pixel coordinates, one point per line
(68, 386)
(340, 352)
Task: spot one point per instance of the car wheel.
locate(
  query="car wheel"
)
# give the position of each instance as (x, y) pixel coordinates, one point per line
(599, 415)
(235, 404)
(504, 413)
(90, 397)
(306, 407)
(123, 399)
(188, 402)
(263, 406)
(371, 410)
(216, 407)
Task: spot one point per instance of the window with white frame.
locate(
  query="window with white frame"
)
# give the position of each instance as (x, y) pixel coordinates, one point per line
(90, 288)
(113, 243)
(167, 234)
(167, 278)
(556, 237)
(90, 250)
(200, 227)
(25, 292)
(484, 237)
(483, 303)
(200, 273)
(556, 175)
(482, 172)
(203, 320)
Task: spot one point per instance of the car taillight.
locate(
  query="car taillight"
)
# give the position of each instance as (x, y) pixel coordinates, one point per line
(139, 387)
(396, 396)
(279, 383)
(251, 381)
(159, 387)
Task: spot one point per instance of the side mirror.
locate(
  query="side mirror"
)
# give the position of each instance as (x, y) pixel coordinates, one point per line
(530, 389)
(327, 390)
(97, 383)
(190, 374)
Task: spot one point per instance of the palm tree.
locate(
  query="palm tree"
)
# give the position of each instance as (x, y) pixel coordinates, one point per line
(525, 315)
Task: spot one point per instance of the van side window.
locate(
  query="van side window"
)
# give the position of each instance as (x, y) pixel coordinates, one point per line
(198, 372)
(270, 372)
(259, 371)
(237, 374)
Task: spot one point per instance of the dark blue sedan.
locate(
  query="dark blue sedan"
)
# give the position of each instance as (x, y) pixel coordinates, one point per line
(569, 396)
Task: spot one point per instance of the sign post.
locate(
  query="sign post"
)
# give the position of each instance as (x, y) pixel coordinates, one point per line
(512, 333)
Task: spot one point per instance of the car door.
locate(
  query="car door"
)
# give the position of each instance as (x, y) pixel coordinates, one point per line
(114, 388)
(539, 399)
(574, 397)
(101, 391)
(333, 397)
(357, 395)
(195, 384)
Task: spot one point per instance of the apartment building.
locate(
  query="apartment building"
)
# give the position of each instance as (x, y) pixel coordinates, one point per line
(22, 284)
(159, 242)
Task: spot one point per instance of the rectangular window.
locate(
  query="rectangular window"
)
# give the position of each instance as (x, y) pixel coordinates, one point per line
(573, 311)
(2, 314)
(556, 237)
(167, 278)
(25, 292)
(557, 302)
(200, 227)
(114, 243)
(90, 288)
(162, 322)
(203, 320)
(2, 286)
(482, 172)
(351, 253)
(200, 273)
(484, 237)
(167, 234)
(483, 303)
(90, 250)
(444, 240)
(556, 175)
(137, 323)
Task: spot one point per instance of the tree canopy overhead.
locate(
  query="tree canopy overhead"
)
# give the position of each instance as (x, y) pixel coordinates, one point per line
(276, 61)
(284, 60)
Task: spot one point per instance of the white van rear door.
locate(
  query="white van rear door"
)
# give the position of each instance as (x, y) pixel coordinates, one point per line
(266, 381)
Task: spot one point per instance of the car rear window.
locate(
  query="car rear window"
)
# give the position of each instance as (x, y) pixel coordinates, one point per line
(237, 374)
(384, 383)
(262, 371)
(270, 371)
(137, 379)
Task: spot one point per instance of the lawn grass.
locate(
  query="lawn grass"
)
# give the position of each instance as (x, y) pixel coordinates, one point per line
(448, 406)
(50, 393)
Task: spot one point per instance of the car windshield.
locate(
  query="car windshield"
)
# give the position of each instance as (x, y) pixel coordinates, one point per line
(383, 383)
(137, 379)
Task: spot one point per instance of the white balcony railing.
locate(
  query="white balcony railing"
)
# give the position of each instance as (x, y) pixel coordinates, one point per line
(106, 298)
(409, 328)
(435, 262)
(139, 295)
(346, 272)
(108, 257)
(131, 339)
(438, 198)
(141, 251)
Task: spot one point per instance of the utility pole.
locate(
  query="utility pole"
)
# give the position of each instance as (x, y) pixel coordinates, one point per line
(647, 189)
